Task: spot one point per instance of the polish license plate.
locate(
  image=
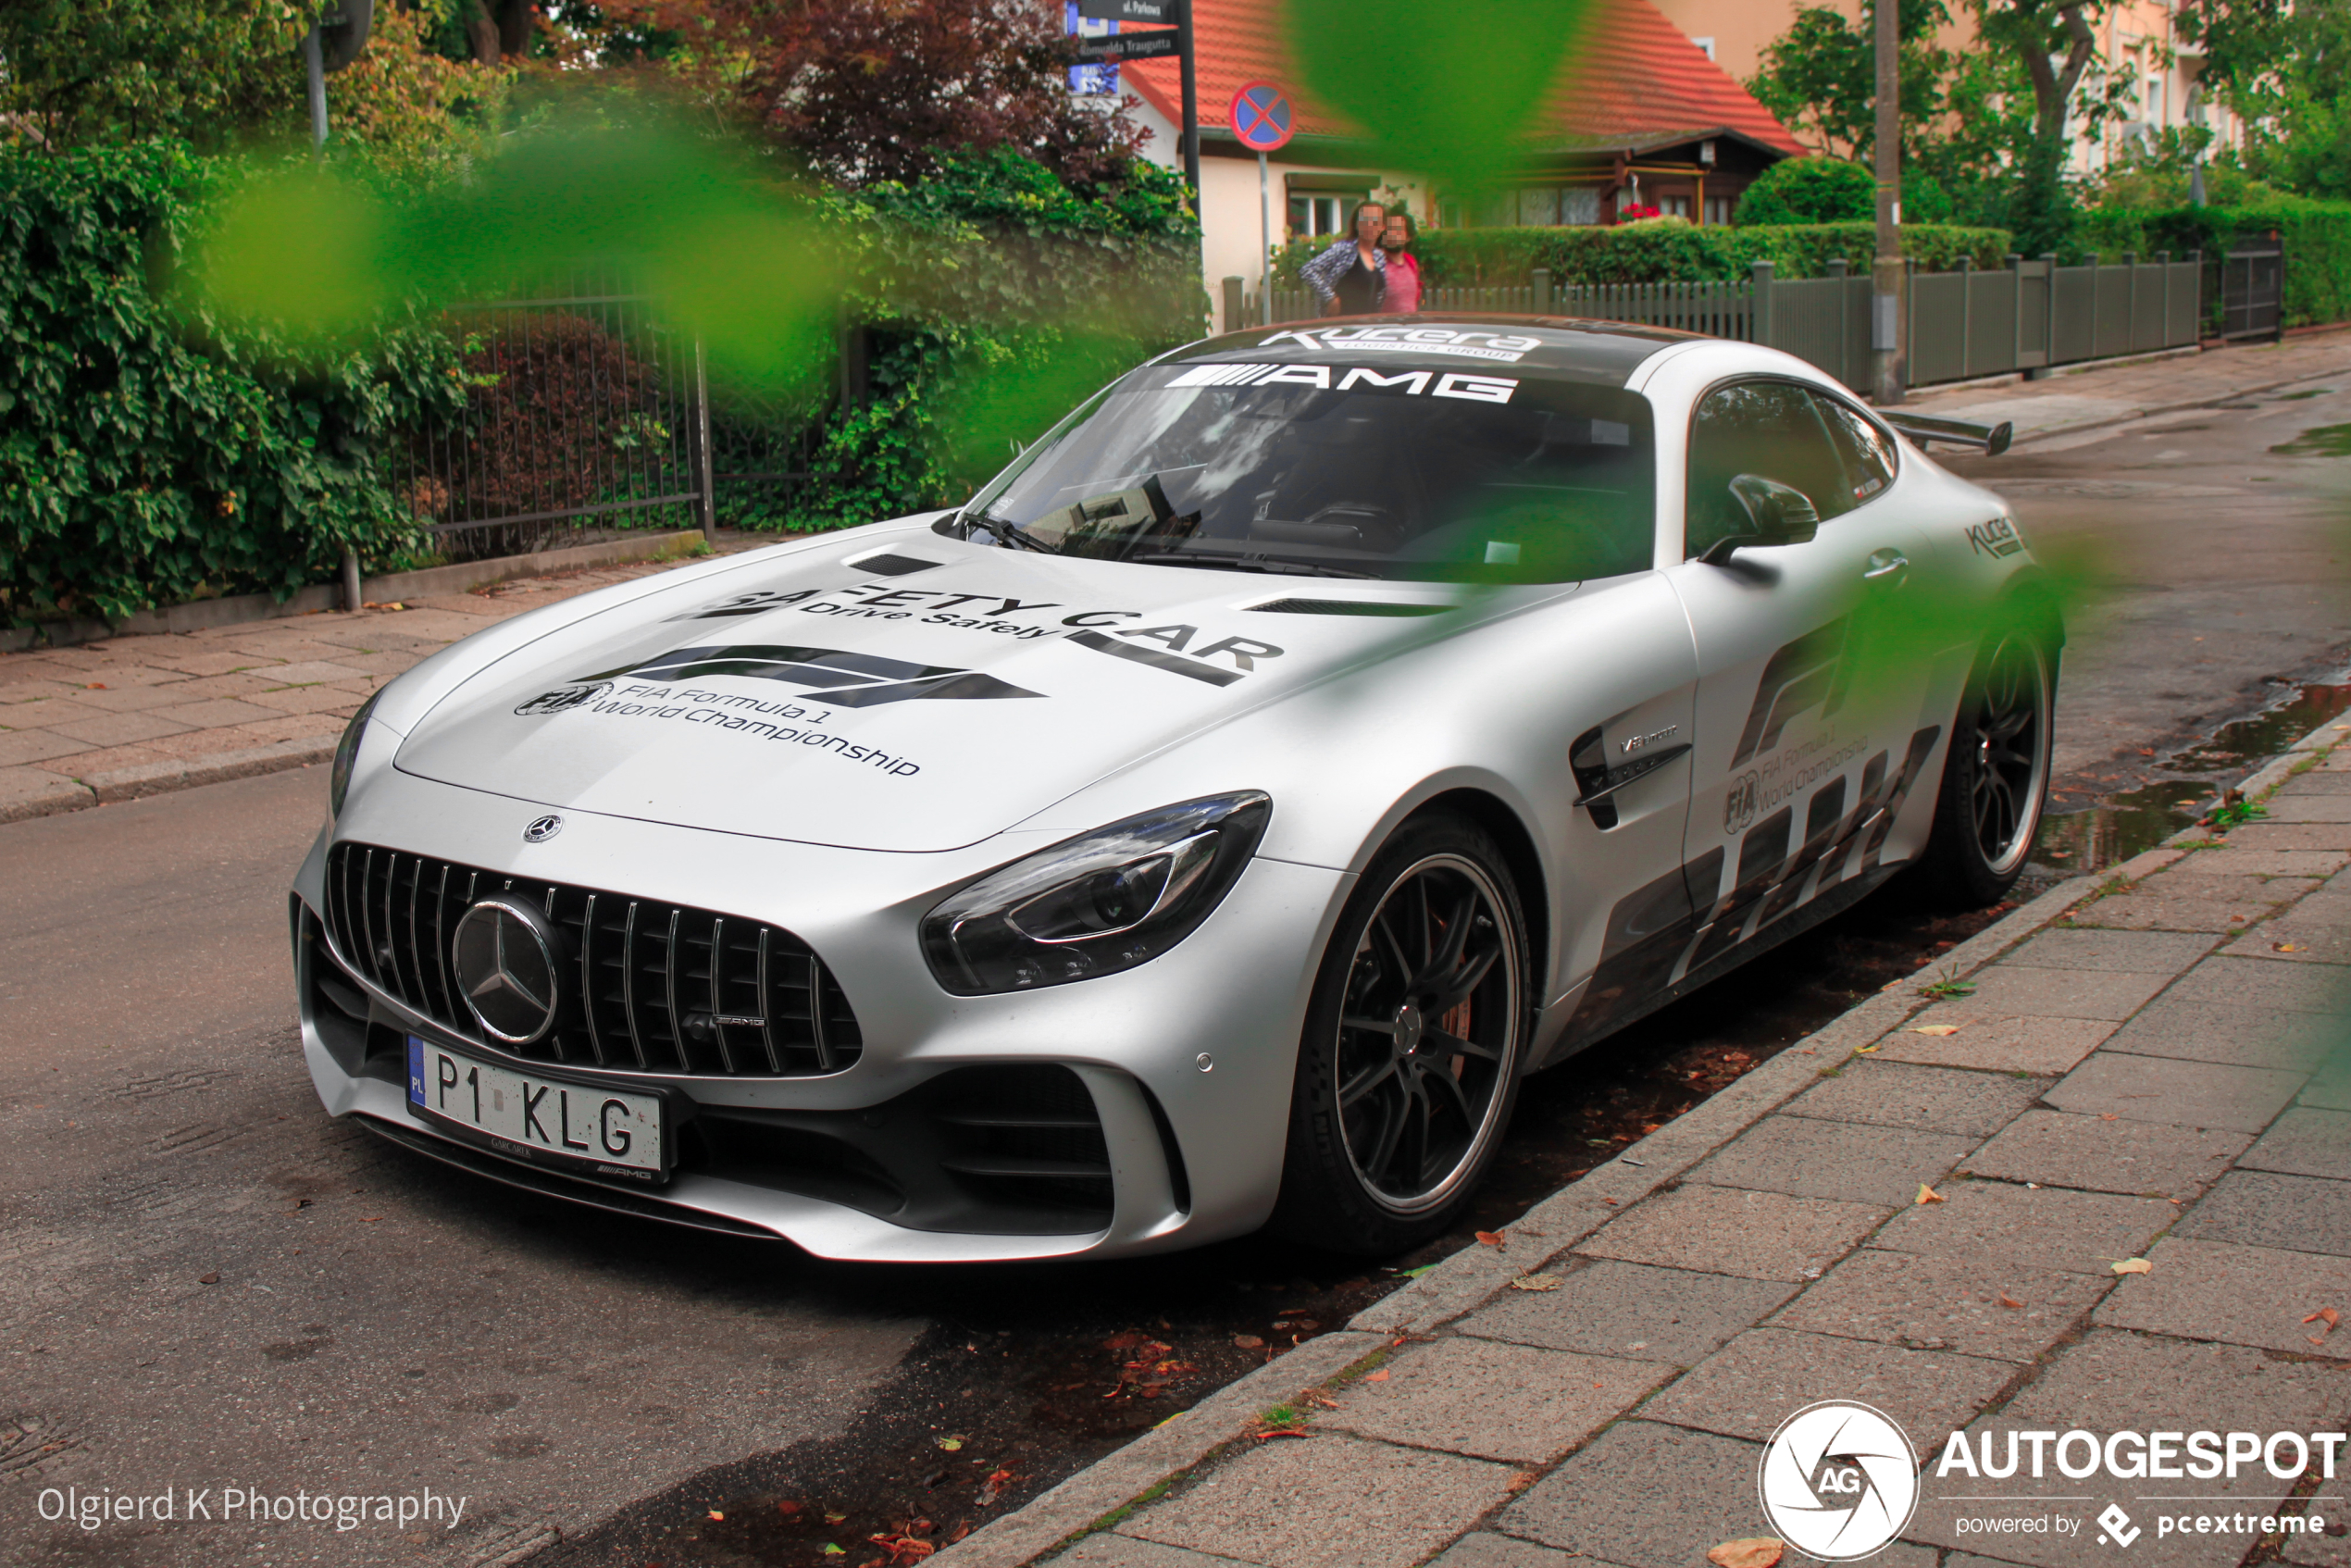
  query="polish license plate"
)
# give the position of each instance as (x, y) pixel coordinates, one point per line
(607, 1131)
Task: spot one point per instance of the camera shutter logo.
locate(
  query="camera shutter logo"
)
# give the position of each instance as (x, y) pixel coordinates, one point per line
(1838, 1480)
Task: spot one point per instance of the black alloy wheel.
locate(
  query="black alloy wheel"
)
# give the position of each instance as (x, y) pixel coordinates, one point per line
(1411, 1059)
(1996, 781)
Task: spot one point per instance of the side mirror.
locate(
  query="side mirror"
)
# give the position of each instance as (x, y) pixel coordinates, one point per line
(1777, 514)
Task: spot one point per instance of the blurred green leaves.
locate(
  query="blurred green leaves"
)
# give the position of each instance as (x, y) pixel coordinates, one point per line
(740, 263)
(1448, 91)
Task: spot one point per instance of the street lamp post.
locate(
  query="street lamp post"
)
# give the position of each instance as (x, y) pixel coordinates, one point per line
(1886, 276)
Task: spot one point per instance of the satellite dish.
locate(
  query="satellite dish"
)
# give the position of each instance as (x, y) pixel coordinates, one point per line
(343, 39)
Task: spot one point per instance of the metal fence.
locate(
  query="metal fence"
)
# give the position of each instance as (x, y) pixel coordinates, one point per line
(2028, 316)
(2251, 290)
(583, 414)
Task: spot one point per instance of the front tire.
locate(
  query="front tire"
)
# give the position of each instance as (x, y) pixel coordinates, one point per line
(1996, 780)
(1409, 1062)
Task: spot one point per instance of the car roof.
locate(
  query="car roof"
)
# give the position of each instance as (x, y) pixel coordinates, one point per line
(1561, 347)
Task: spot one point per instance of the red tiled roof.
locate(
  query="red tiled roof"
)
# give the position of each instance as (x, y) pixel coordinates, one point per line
(1635, 79)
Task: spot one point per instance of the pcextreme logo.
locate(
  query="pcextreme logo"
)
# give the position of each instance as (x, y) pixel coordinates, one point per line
(1838, 1480)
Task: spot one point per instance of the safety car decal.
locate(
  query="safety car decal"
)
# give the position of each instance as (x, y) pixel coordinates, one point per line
(846, 679)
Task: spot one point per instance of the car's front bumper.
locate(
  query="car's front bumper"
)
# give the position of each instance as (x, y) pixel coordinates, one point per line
(1194, 1152)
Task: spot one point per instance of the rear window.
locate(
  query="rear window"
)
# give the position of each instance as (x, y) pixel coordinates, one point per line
(1385, 471)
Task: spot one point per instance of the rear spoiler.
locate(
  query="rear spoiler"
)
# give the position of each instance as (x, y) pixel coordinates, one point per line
(1990, 440)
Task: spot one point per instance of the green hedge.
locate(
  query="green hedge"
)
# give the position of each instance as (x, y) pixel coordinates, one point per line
(1669, 250)
(148, 453)
(2316, 236)
(994, 299)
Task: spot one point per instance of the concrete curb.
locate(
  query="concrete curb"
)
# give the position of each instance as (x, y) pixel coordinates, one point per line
(164, 777)
(1087, 1499)
(204, 614)
(1472, 1277)
(2153, 409)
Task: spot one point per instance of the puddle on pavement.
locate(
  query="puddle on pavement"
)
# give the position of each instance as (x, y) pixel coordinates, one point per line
(2124, 823)
(2319, 440)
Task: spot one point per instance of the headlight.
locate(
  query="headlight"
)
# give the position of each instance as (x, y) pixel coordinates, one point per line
(347, 753)
(1117, 897)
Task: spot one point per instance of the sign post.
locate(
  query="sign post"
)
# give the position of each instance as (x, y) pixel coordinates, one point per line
(1264, 118)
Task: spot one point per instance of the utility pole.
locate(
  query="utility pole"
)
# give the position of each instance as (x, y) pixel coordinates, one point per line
(1185, 54)
(1886, 276)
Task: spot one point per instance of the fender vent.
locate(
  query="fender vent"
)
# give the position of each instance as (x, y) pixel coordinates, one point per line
(1345, 608)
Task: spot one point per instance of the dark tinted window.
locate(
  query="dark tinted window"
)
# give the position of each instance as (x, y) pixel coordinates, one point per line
(1775, 429)
(1868, 455)
(1479, 474)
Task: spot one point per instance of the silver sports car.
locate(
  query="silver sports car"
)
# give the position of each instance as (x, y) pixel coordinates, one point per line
(1206, 826)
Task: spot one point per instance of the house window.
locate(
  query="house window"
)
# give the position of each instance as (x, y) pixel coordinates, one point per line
(1718, 208)
(1673, 206)
(1312, 216)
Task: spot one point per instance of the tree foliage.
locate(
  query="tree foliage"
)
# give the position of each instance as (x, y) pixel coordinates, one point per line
(867, 91)
(78, 72)
(1820, 77)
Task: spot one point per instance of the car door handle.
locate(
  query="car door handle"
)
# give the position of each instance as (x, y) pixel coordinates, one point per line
(1885, 563)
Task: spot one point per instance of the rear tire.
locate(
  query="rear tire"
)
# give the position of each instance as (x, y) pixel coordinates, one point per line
(1410, 1058)
(1996, 778)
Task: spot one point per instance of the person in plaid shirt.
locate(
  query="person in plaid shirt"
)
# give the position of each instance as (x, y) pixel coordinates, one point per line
(1351, 277)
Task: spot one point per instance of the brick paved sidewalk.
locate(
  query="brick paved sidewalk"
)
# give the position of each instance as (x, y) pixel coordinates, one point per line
(139, 715)
(2093, 396)
(2155, 1071)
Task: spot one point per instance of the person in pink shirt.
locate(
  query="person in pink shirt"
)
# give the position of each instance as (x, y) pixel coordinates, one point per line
(1403, 295)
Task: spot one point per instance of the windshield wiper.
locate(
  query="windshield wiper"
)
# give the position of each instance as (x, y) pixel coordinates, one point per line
(1011, 533)
(1280, 566)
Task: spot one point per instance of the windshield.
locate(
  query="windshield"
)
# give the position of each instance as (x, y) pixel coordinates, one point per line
(1329, 469)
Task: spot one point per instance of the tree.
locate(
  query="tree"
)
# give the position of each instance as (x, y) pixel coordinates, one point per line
(876, 90)
(2285, 69)
(78, 72)
(1820, 76)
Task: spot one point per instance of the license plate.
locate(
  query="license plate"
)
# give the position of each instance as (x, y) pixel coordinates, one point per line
(609, 1131)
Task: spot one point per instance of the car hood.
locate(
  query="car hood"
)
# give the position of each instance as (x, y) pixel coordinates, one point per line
(918, 695)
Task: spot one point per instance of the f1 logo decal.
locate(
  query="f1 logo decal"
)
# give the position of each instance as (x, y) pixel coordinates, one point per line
(1801, 674)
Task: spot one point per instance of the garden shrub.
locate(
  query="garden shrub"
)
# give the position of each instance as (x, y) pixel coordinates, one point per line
(151, 454)
(2316, 236)
(1809, 190)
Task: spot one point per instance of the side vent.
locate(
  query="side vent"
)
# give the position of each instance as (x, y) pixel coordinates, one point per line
(1345, 608)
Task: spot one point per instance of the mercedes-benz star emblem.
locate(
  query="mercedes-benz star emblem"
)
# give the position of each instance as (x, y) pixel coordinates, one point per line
(504, 951)
(542, 829)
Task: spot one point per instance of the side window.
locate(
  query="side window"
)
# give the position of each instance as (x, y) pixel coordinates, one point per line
(1868, 455)
(1775, 429)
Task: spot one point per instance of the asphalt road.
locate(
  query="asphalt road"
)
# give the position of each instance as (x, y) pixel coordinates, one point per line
(371, 1327)
(2210, 571)
(204, 1284)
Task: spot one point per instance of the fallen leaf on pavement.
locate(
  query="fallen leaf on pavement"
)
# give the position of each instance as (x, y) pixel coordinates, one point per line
(831, 1518)
(1928, 1195)
(788, 1509)
(833, 1551)
(1936, 1030)
(2109, 1116)
(1491, 1238)
(1536, 1282)
(1863, 1049)
(716, 1514)
(2327, 1315)
(950, 1444)
(2134, 1266)
(207, 1279)
(1762, 1551)
(1248, 1342)
(2285, 947)
(2009, 1300)
(1282, 1432)
(1379, 1376)
(1126, 1340)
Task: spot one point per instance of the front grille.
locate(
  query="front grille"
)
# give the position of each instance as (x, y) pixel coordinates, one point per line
(650, 986)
